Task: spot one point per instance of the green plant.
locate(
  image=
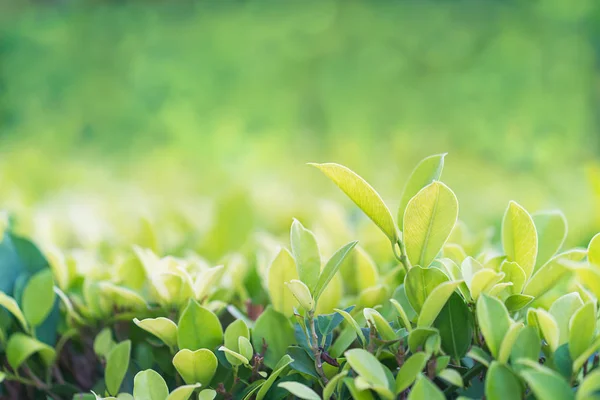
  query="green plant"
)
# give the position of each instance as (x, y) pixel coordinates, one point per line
(450, 315)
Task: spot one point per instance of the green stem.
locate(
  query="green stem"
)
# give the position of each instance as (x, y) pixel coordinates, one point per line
(399, 254)
(315, 348)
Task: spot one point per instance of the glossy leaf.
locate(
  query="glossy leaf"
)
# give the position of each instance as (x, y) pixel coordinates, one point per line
(149, 385)
(306, 253)
(420, 282)
(198, 328)
(551, 227)
(582, 326)
(233, 333)
(429, 219)
(435, 302)
(196, 366)
(302, 293)
(519, 237)
(552, 272)
(562, 310)
(456, 337)
(331, 268)
(183, 392)
(282, 270)
(162, 328)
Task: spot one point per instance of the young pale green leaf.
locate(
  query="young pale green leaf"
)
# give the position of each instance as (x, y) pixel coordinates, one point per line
(206, 280)
(240, 359)
(149, 385)
(424, 389)
(356, 393)
(331, 268)
(483, 281)
(302, 293)
(590, 278)
(515, 274)
(456, 337)
(515, 302)
(402, 314)
(183, 392)
(593, 250)
(502, 384)
(552, 272)
(198, 328)
(452, 377)
(410, 370)
(428, 170)
(494, 322)
(548, 327)
(352, 322)
(589, 387)
(333, 384)
(418, 337)
(435, 302)
(367, 366)
(562, 310)
(299, 390)
(38, 297)
(420, 282)
(236, 330)
(381, 324)
(196, 366)
(282, 269)
(479, 355)
(11, 305)
(365, 271)
(122, 297)
(363, 195)
(209, 394)
(519, 237)
(551, 227)
(429, 219)
(509, 341)
(547, 385)
(162, 328)
(582, 326)
(117, 363)
(20, 347)
(277, 332)
(526, 347)
(245, 347)
(306, 253)
(278, 369)
(103, 342)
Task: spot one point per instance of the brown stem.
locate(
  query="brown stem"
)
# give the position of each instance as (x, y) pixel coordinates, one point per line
(316, 349)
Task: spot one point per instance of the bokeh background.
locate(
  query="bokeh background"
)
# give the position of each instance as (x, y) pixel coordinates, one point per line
(200, 116)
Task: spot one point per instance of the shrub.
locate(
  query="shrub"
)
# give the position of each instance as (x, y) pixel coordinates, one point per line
(454, 316)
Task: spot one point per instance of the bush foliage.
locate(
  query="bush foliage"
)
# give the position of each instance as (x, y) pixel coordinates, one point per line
(455, 315)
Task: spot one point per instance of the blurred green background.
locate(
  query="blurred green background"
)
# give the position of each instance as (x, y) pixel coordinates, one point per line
(205, 112)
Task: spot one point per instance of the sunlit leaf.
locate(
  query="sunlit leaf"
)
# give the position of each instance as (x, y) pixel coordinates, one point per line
(306, 253)
(519, 237)
(196, 366)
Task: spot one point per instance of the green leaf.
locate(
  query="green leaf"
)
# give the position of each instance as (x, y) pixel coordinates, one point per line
(234, 354)
(234, 331)
(299, 390)
(593, 252)
(515, 274)
(456, 336)
(582, 328)
(282, 270)
(519, 237)
(277, 333)
(509, 341)
(122, 297)
(552, 272)
(306, 253)
(196, 366)
(590, 387)
(428, 170)
(11, 305)
(209, 394)
(562, 310)
(501, 383)
(410, 370)
(20, 347)
(480, 356)
(424, 389)
(357, 394)
(352, 322)
(419, 283)
(527, 346)
(117, 363)
(183, 392)
(198, 328)
(482, 281)
(333, 384)
(435, 302)
(419, 336)
(547, 385)
(149, 385)
(381, 324)
(38, 297)
(367, 366)
(402, 313)
(583, 358)
(331, 268)
(494, 322)
(162, 328)
(302, 293)
(547, 325)
(363, 195)
(278, 368)
(515, 302)
(245, 347)
(551, 227)
(429, 219)
(451, 376)
(103, 342)
(590, 278)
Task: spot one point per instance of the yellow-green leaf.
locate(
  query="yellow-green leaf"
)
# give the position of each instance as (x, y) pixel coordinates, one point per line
(582, 327)
(381, 324)
(282, 269)
(149, 385)
(38, 297)
(331, 268)
(367, 366)
(551, 227)
(594, 250)
(519, 237)
(233, 333)
(515, 274)
(552, 272)
(429, 219)
(494, 322)
(198, 328)
(20, 347)
(502, 384)
(183, 392)
(424, 389)
(300, 390)
(589, 389)
(435, 302)
(11, 305)
(410, 370)
(562, 310)
(196, 366)
(420, 282)
(162, 328)
(306, 253)
(548, 327)
(363, 195)
(302, 293)
(509, 341)
(117, 363)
